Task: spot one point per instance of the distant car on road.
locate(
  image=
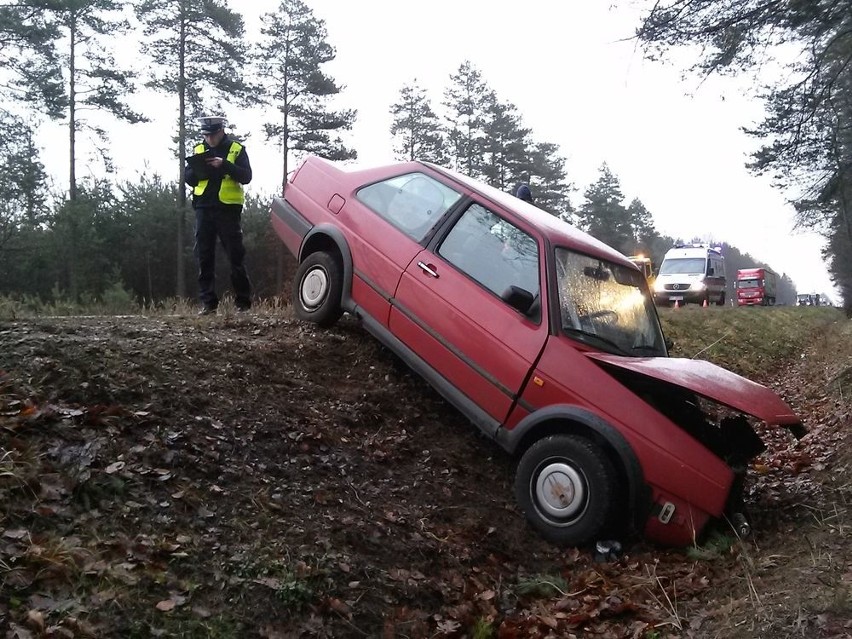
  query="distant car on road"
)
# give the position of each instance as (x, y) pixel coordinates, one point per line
(545, 338)
(808, 299)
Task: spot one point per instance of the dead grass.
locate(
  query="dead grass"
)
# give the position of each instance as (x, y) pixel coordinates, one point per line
(14, 308)
(232, 505)
(793, 578)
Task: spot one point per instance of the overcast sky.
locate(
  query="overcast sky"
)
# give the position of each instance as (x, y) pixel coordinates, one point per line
(674, 143)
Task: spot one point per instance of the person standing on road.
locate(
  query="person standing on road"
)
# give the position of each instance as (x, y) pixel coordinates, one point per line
(522, 189)
(217, 174)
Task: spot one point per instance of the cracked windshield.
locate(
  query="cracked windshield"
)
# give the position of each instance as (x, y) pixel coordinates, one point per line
(606, 305)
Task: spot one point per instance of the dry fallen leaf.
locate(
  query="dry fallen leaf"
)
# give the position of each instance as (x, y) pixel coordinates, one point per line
(166, 605)
(114, 467)
(19, 533)
(36, 619)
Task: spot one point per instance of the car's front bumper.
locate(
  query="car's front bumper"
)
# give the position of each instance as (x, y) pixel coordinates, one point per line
(682, 297)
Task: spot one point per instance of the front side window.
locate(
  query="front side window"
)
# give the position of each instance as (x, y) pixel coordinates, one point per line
(413, 202)
(494, 252)
(607, 305)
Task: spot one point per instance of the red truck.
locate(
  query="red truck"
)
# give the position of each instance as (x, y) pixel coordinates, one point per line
(756, 286)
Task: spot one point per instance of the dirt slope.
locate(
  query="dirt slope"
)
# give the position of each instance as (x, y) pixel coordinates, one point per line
(255, 477)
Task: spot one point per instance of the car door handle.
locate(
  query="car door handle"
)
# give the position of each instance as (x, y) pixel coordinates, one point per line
(428, 269)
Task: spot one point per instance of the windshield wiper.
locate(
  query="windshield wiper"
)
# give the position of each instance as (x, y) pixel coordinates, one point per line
(585, 334)
(646, 347)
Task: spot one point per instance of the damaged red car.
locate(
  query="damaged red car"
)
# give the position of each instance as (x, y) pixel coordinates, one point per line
(543, 337)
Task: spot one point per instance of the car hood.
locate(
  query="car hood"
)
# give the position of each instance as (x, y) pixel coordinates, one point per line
(713, 382)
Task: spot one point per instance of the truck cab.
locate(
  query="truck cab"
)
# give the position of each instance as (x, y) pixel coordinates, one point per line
(646, 266)
(756, 287)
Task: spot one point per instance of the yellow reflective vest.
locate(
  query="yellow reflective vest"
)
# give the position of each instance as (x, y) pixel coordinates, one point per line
(230, 191)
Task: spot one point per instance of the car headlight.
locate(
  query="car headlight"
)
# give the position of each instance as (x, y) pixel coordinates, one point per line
(697, 286)
(659, 287)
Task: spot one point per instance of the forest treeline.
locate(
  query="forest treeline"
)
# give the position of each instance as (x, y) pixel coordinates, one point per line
(103, 236)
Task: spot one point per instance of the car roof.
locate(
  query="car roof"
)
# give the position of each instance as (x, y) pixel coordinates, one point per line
(557, 231)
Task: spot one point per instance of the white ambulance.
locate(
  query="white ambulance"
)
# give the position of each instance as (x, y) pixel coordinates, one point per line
(691, 273)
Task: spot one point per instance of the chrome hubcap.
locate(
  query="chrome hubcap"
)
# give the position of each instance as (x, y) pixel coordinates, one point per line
(560, 490)
(314, 288)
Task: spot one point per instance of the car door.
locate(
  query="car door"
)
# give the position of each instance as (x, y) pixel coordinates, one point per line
(388, 222)
(450, 308)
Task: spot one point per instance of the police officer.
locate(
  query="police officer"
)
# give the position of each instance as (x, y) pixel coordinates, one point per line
(217, 173)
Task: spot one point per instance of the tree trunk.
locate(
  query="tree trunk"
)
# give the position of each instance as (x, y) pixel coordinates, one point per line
(279, 269)
(72, 114)
(150, 278)
(180, 285)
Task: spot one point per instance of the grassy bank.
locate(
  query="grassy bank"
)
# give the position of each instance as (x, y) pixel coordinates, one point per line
(751, 341)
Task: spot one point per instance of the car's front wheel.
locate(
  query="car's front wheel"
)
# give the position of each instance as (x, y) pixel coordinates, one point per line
(317, 289)
(566, 487)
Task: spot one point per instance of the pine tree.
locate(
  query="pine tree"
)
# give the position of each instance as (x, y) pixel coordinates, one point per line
(416, 127)
(642, 226)
(466, 101)
(603, 215)
(505, 144)
(94, 82)
(197, 50)
(68, 39)
(29, 56)
(289, 60)
(550, 185)
(23, 182)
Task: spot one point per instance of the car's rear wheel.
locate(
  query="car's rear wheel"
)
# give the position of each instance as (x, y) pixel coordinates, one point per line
(317, 289)
(721, 301)
(566, 487)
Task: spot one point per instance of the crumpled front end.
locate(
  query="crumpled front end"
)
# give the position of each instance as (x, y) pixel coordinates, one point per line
(717, 408)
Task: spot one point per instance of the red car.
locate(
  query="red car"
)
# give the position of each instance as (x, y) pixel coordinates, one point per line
(545, 338)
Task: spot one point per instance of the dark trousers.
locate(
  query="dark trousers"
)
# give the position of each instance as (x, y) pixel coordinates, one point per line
(224, 223)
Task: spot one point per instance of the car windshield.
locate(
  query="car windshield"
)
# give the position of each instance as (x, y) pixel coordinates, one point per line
(753, 283)
(683, 266)
(607, 305)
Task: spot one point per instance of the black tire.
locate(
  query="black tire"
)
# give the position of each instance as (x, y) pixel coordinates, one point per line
(721, 301)
(581, 466)
(317, 290)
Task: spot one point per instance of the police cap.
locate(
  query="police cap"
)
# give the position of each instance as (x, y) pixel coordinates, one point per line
(212, 123)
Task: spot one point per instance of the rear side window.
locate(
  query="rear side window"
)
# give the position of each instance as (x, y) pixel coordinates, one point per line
(718, 266)
(413, 202)
(494, 252)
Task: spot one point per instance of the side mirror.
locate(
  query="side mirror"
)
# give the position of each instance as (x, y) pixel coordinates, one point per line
(519, 298)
